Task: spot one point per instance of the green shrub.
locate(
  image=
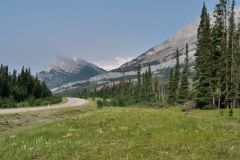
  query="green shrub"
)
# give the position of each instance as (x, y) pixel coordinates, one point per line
(230, 112)
(37, 102)
(10, 103)
(99, 104)
(23, 104)
(7, 103)
(185, 110)
(121, 102)
(114, 102)
(209, 107)
(105, 103)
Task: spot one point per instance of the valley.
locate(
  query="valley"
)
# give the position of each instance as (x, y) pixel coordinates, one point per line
(177, 100)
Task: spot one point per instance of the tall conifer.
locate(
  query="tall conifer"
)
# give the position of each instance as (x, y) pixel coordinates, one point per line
(184, 85)
(203, 62)
(171, 90)
(176, 75)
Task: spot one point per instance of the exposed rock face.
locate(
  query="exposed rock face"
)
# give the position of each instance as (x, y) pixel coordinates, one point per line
(65, 70)
(162, 52)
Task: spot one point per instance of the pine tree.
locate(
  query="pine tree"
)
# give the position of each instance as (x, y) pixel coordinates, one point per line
(177, 74)
(231, 57)
(150, 93)
(203, 62)
(147, 89)
(184, 86)
(219, 55)
(14, 78)
(237, 67)
(139, 84)
(156, 89)
(171, 90)
(21, 87)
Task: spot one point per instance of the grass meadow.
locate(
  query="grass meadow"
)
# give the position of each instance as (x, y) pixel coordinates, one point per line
(126, 133)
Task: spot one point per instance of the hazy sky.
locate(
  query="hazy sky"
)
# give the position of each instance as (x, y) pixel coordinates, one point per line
(33, 32)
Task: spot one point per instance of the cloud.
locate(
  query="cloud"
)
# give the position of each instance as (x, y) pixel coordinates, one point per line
(115, 63)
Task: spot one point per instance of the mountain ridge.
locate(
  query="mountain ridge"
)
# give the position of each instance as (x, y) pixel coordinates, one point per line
(187, 34)
(65, 70)
(160, 57)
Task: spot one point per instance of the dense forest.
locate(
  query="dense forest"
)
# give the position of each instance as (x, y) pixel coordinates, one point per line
(216, 73)
(217, 66)
(23, 89)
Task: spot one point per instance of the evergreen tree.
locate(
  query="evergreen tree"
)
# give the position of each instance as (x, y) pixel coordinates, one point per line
(4, 82)
(171, 90)
(230, 31)
(21, 87)
(177, 73)
(184, 86)
(231, 58)
(150, 92)
(237, 68)
(139, 84)
(219, 54)
(203, 61)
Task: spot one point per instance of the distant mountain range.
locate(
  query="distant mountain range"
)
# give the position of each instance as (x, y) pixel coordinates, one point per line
(65, 70)
(160, 57)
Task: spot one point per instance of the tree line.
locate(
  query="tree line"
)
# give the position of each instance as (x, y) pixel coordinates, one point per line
(15, 88)
(217, 66)
(146, 89)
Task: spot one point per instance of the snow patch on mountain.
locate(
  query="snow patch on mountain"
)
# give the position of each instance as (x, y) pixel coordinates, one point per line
(115, 63)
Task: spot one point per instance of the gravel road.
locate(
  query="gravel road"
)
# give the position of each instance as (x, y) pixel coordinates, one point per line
(70, 103)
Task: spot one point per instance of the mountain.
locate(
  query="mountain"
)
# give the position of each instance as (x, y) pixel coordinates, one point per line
(160, 57)
(66, 70)
(163, 53)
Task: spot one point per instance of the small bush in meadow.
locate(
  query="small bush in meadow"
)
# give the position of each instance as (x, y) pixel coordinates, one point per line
(114, 102)
(121, 102)
(99, 104)
(7, 103)
(105, 103)
(209, 107)
(230, 112)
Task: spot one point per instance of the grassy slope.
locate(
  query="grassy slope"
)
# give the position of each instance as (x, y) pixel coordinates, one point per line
(129, 133)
